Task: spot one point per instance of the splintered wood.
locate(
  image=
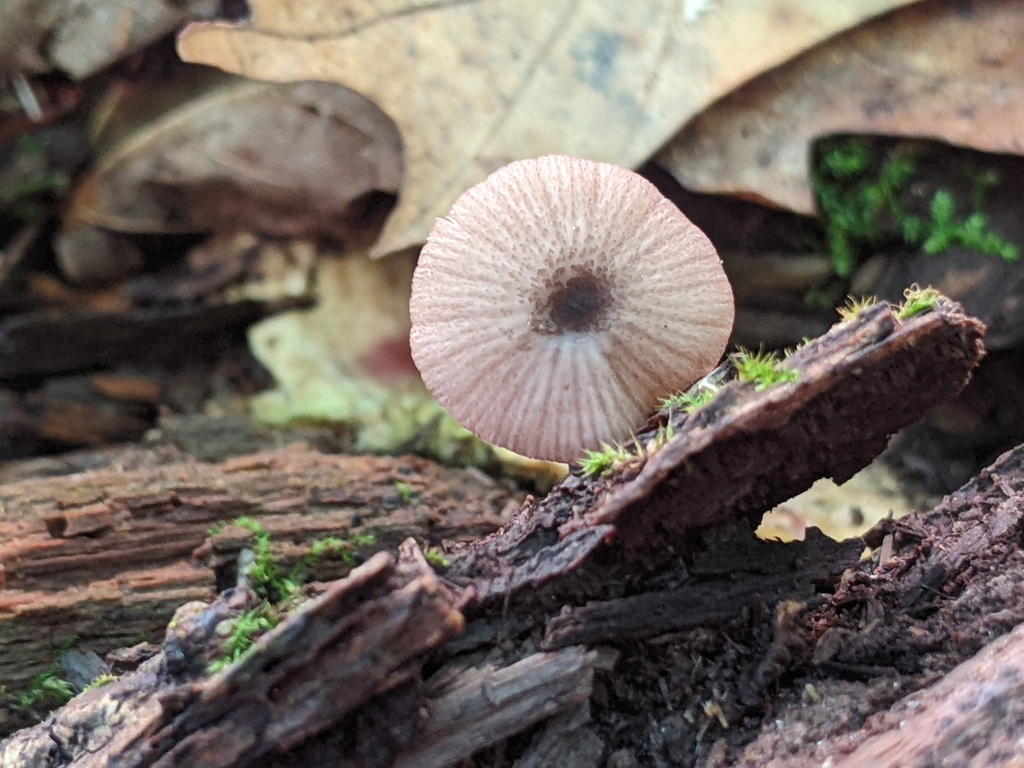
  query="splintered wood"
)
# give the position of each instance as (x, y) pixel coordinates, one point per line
(905, 647)
(103, 558)
(361, 638)
(739, 456)
(631, 611)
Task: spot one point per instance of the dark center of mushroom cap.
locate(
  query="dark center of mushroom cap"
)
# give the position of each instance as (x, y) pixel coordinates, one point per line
(577, 304)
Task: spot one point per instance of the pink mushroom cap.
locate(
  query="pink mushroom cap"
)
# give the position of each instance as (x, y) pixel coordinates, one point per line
(559, 301)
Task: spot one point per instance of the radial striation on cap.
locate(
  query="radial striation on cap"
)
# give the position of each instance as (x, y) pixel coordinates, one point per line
(559, 301)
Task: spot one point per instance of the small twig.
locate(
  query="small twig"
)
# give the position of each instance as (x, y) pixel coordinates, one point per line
(26, 97)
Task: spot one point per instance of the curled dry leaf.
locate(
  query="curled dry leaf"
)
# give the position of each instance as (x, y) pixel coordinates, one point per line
(22, 26)
(90, 255)
(474, 86)
(303, 159)
(943, 70)
(233, 268)
(81, 37)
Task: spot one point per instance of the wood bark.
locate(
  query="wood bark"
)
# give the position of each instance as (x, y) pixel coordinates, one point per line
(101, 560)
(632, 617)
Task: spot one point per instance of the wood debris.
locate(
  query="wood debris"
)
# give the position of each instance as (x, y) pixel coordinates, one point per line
(634, 610)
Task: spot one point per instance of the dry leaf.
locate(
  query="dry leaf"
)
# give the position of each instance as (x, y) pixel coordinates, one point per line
(359, 328)
(347, 359)
(287, 160)
(473, 86)
(840, 511)
(233, 268)
(947, 70)
(81, 37)
(89, 255)
(23, 23)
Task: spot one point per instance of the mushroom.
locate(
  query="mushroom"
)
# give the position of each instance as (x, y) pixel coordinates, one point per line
(559, 301)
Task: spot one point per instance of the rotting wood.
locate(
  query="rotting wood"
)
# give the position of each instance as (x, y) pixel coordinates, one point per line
(481, 706)
(947, 563)
(44, 420)
(759, 571)
(163, 514)
(78, 410)
(700, 696)
(972, 716)
(365, 635)
(105, 557)
(124, 458)
(567, 741)
(361, 638)
(35, 344)
(739, 456)
(950, 588)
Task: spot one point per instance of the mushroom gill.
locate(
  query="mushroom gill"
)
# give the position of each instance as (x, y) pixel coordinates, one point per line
(559, 301)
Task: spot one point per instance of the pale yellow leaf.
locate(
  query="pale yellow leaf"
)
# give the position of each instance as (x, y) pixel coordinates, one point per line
(475, 85)
(840, 511)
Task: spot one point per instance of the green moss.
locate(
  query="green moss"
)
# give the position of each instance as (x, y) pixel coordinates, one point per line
(317, 549)
(245, 630)
(405, 492)
(364, 539)
(917, 300)
(612, 457)
(331, 545)
(326, 545)
(854, 194)
(662, 436)
(855, 305)
(846, 160)
(276, 590)
(763, 369)
(263, 576)
(436, 557)
(972, 233)
(688, 402)
(604, 461)
(860, 194)
(48, 691)
(99, 682)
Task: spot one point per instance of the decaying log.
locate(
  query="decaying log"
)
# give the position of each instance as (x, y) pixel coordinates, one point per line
(726, 650)
(481, 706)
(948, 588)
(973, 716)
(103, 559)
(364, 636)
(36, 344)
(774, 574)
(741, 455)
(79, 411)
